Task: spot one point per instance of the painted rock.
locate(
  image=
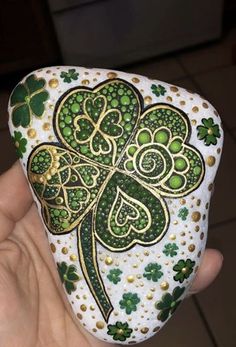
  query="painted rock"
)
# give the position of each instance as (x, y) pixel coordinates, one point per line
(121, 168)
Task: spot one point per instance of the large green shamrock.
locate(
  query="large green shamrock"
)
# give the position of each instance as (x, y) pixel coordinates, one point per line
(109, 172)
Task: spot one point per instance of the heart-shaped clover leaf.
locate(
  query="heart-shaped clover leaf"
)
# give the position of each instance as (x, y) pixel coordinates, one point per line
(110, 172)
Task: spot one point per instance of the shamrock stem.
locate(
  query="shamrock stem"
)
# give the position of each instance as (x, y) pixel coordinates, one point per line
(88, 261)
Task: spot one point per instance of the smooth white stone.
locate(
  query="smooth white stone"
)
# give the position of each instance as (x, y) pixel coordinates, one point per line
(186, 235)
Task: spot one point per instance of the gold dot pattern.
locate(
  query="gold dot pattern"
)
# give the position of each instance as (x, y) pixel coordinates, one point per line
(189, 235)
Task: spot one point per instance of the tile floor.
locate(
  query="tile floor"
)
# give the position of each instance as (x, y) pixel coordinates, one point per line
(208, 319)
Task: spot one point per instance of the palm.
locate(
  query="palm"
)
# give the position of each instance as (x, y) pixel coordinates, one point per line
(34, 311)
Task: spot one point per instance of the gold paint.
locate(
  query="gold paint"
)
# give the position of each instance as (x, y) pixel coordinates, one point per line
(83, 308)
(64, 250)
(175, 222)
(59, 200)
(95, 80)
(94, 330)
(195, 109)
(73, 257)
(144, 330)
(135, 80)
(178, 94)
(193, 121)
(108, 260)
(191, 248)
(184, 270)
(198, 203)
(135, 266)
(112, 75)
(182, 233)
(182, 201)
(155, 330)
(149, 296)
(53, 247)
(85, 82)
(210, 131)
(164, 285)
(100, 325)
(79, 315)
(51, 138)
(210, 160)
(174, 89)
(53, 83)
(205, 105)
(92, 308)
(210, 187)
(146, 253)
(31, 133)
(196, 216)
(197, 228)
(51, 107)
(153, 289)
(148, 100)
(169, 98)
(46, 126)
(183, 243)
(130, 278)
(182, 102)
(172, 237)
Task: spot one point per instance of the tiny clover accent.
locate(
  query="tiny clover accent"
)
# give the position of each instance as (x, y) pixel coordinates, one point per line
(20, 143)
(183, 213)
(184, 268)
(68, 276)
(169, 303)
(109, 173)
(170, 249)
(114, 275)
(70, 75)
(152, 272)
(119, 331)
(129, 302)
(158, 90)
(209, 132)
(27, 99)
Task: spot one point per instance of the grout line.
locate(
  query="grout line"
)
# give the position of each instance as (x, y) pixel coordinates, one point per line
(205, 322)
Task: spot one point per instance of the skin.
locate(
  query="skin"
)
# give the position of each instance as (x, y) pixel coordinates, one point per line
(34, 311)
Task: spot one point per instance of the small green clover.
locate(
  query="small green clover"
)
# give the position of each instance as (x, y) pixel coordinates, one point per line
(209, 132)
(184, 268)
(183, 213)
(69, 76)
(114, 275)
(68, 276)
(152, 272)
(169, 303)
(20, 143)
(119, 331)
(28, 99)
(158, 90)
(129, 302)
(170, 249)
